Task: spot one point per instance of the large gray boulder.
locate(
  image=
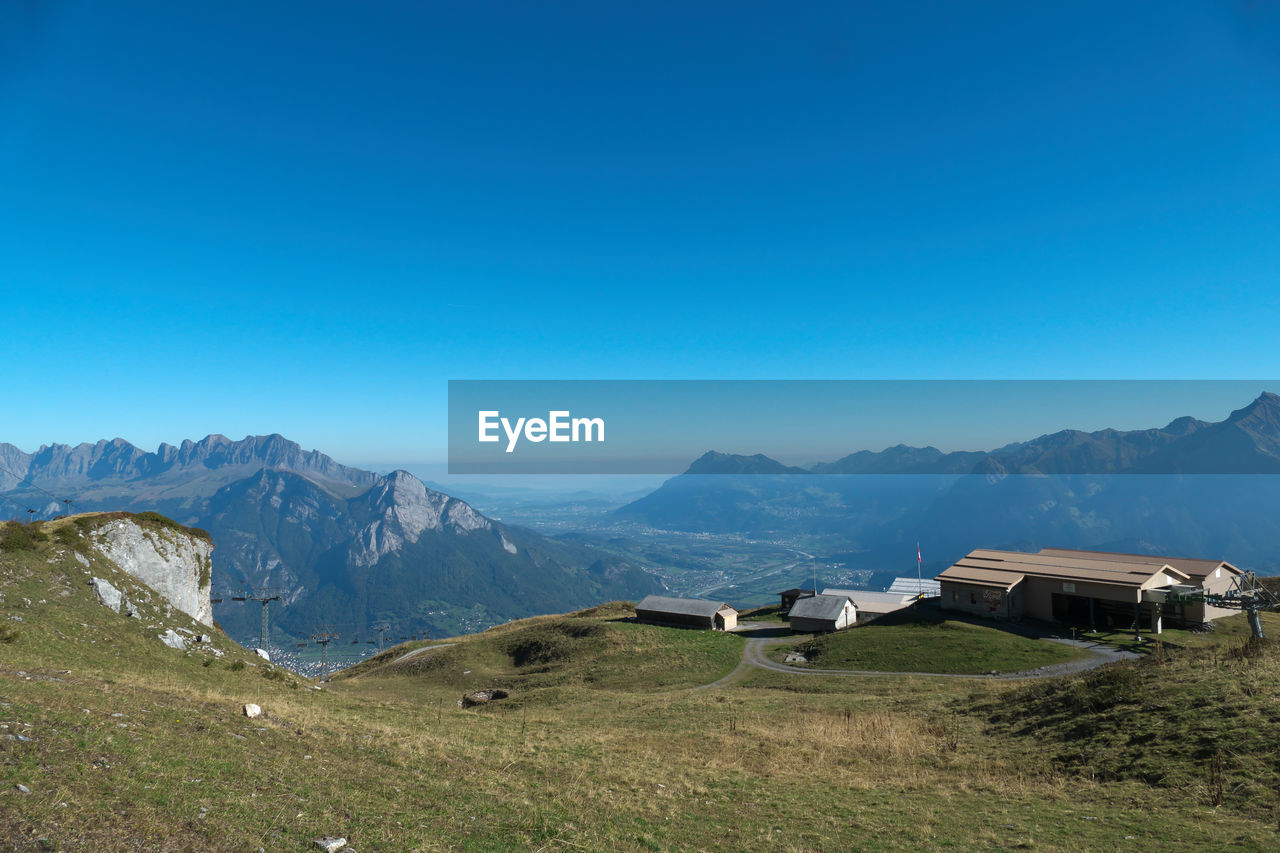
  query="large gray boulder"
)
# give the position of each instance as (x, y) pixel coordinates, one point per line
(107, 594)
(173, 640)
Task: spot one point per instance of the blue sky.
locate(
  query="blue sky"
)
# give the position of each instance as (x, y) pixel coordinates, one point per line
(306, 218)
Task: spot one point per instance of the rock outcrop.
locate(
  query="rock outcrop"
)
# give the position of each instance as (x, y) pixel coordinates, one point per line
(403, 509)
(173, 562)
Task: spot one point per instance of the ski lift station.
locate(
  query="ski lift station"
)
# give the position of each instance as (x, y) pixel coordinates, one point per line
(1091, 588)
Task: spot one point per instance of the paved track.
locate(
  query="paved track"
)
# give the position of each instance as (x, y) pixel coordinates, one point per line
(754, 656)
(417, 652)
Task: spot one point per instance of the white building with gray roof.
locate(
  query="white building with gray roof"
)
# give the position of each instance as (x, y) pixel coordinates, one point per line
(822, 613)
(871, 604)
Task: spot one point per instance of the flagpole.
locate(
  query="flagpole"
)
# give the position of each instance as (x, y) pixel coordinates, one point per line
(919, 582)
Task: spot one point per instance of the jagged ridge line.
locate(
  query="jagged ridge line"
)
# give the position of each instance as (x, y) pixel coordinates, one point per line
(22, 479)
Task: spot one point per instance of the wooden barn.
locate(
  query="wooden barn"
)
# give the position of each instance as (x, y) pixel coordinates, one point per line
(687, 613)
(822, 613)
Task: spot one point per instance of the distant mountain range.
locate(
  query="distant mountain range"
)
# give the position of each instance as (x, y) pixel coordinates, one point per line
(347, 547)
(1190, 487)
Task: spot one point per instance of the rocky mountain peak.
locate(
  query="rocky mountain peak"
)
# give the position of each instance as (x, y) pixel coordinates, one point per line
(713, 462)
(117, 459)
(403, 509)
(1184, 425)
(1266, 408)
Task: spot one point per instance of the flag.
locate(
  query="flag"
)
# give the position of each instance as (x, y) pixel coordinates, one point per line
(919, 559)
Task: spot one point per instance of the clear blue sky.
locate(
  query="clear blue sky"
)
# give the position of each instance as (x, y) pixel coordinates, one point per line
(305, 218)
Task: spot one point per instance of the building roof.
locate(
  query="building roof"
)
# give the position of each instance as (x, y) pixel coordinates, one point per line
(797, 591)
(874, 602)
(975, 576)
(1006, 569)
(828, 607)
(1197, 569)
(927, 587)
(682, 606)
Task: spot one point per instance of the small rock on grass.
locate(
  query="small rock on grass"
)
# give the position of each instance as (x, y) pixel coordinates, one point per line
(480, 697)
(331, 844)
(23, 789)
(251, 710)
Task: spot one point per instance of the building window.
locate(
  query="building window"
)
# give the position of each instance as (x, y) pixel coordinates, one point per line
(955, 596)
(973, 598)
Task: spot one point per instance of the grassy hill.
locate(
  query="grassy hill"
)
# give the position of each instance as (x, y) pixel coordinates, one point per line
(909, 641)
(601, 746)
(1201, 720)
(597, 651)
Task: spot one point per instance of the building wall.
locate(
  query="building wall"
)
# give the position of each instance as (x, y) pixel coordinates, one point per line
(1199, 611)
(802, 625)
(985, 601)
(864, 616)
(730, 618)
(680, 620)
(787, 600)
(1039, 594)
(1217, 584)
(847, 617)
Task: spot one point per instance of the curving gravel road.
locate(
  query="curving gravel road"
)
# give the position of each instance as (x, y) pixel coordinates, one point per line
(754, 657)
(416, 652)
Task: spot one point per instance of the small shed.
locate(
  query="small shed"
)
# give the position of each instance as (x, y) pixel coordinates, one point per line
(788, 598)
(687, 613)
(823, 613)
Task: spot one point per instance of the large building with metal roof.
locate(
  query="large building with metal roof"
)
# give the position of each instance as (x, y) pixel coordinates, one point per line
(687, 613)
(1085, 588)
(1215, 577)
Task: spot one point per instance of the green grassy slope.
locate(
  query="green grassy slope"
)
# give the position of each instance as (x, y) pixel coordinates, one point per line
(1202, 720)
(47, 601)
(561, 651)
(907, 642)
(597, 749)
